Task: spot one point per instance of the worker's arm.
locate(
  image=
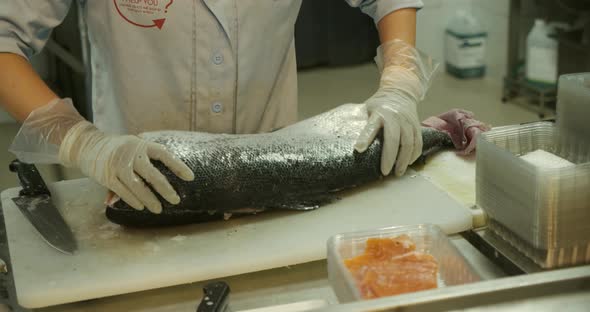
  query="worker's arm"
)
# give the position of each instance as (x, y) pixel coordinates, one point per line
(21, 89)
(54, 132)
(25, 27)
(405, 77)
(400, 24)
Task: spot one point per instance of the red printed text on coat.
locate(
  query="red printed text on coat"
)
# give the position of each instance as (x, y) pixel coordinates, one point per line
(143, 13)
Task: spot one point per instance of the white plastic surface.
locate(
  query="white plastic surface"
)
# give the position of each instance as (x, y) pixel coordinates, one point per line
(544, 159)
(112, 260)
(453, 173)
(292, 307)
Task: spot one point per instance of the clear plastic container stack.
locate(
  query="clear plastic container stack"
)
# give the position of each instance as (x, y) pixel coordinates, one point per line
(453, 269)
(541, 208)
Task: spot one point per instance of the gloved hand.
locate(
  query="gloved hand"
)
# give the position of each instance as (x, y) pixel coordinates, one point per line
(405, 77)
(118, 162)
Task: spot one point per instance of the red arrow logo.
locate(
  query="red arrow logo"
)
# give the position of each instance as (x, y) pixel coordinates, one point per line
(157, 22)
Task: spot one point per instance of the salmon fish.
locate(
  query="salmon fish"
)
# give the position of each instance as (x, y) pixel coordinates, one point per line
(299, 167)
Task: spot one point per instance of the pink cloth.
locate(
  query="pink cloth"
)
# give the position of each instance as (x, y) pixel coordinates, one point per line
(460, 126)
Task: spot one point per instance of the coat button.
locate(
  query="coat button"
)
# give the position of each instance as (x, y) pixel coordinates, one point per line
(217, 58)
(217, 107)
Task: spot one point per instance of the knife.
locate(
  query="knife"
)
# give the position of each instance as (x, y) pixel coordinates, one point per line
(215, 298)
(34, 201)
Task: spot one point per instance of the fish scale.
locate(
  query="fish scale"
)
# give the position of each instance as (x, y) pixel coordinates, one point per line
(299, 167)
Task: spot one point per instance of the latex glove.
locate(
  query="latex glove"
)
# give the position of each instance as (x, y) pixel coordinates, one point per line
(118, 162)
(405, 77)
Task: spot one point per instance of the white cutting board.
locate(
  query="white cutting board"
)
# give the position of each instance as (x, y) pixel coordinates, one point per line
(112, 260)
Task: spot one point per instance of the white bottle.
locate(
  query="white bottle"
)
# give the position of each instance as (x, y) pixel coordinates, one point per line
(541, 55)
(465, 46)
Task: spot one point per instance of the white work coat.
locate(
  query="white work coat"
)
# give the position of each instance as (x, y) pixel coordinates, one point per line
(225, 66)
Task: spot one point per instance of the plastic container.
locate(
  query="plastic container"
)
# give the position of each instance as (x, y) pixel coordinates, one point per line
(453, 269)
(465, 46)
(541, 55)
(573, 105)
(543, 211)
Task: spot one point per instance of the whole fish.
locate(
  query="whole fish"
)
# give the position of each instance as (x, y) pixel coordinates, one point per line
(299, 167)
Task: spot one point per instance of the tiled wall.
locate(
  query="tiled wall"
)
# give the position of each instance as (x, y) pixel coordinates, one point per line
(493, 14)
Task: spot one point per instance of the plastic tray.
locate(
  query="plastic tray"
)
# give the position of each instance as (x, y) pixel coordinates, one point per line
(544, 212)
(453, 269)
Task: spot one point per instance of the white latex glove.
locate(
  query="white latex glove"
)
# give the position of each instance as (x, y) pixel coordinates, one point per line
(118, 162)
(405, 78)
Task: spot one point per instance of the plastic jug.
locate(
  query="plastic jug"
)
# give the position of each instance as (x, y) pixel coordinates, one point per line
(465, 46)
(541, 55)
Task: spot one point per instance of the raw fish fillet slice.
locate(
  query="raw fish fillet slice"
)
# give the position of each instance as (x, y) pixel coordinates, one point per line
(391, 266)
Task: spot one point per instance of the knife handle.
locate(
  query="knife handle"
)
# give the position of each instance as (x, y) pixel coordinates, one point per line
(29, 179)
(215, 297)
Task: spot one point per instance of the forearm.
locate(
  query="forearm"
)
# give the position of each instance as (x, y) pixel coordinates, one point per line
(21, 89)
(400, 24)
(405, 76)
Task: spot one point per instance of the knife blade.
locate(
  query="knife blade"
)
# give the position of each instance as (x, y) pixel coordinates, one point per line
(34, 202)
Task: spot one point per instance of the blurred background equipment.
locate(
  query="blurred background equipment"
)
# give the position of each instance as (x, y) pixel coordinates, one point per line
(331, 33)
(465, 46)
(559, 44)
